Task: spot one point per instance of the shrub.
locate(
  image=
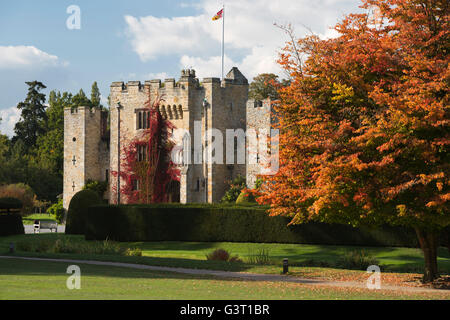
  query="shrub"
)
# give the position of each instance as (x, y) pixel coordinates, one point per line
(76, 214)
(236, 186)
(358, 260)
(222, 255)
(11, 224)
(98, 186)
(218, 254)
(246, 197)
(57, 210)
(22, 192)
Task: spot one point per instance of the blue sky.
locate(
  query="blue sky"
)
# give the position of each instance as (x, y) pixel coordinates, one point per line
(142, 40)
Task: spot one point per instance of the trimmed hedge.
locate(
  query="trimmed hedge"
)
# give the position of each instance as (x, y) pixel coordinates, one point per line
(8, 204)
(76, 214)
(11, 224)
(208, 223)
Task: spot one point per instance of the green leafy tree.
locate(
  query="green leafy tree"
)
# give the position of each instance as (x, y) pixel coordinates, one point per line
(57, 210)
(80, 99)
(98, 186)
(264, 85)
(4, 146)
(33, 120)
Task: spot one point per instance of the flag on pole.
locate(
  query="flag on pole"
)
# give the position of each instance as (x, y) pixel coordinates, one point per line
(218, 15)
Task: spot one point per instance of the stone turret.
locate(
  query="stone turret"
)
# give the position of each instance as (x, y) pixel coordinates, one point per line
(86, 154)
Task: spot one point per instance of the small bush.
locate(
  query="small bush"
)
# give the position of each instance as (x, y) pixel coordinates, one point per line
(235, 188)
(76, 214)
(218, 254)
(57, 210)
(222, 255)
(98, 186)
(246, 197)
(135, 252)
(357, 260)
(262, 257)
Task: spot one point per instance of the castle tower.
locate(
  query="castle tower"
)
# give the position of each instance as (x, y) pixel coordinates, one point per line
(260, 119)
(86, 154)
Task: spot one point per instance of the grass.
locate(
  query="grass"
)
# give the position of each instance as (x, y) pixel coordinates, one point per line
(38, 216)
(192, 255)
(27, 280)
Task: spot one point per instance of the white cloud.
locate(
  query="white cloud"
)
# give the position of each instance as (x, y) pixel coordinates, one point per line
(14, 57)
(251, 39)
(152, 37)
(206, 67)
(9, 118)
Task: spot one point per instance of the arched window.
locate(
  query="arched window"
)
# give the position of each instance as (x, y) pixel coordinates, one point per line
(175, 111)
(164, 113)
(180, 111)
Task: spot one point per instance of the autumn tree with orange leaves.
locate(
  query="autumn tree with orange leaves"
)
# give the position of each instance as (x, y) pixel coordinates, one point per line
(364, 124)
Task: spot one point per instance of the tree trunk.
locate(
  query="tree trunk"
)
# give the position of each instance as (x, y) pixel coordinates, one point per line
(429, 245)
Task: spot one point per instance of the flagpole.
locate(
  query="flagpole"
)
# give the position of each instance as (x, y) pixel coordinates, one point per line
(223, 37)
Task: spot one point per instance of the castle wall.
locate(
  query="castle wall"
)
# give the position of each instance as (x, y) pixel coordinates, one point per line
(221, 105)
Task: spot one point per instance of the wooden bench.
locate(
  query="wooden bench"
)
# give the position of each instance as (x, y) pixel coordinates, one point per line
(38, 225)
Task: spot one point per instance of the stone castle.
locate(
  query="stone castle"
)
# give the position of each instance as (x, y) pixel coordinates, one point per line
(91, 151)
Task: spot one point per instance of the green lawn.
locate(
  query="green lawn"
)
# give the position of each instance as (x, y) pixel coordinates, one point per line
(21, 279)
(192, 255)
(38, 216)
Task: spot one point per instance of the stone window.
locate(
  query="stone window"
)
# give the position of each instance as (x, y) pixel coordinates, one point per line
(180, 111)
(136, 185)
(163, 112)
(197, 186)
(142, 153)
(142, 119)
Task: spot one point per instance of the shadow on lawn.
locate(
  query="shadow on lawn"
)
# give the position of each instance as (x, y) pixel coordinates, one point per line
(144, 260)
(51, 268)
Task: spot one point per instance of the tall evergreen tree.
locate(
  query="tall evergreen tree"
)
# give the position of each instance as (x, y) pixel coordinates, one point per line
(95, 95)
(33, 120)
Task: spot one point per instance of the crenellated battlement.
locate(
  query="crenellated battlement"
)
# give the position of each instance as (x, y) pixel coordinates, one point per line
(82, 110)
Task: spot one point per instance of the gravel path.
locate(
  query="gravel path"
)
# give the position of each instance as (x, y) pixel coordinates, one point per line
(235, 275)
